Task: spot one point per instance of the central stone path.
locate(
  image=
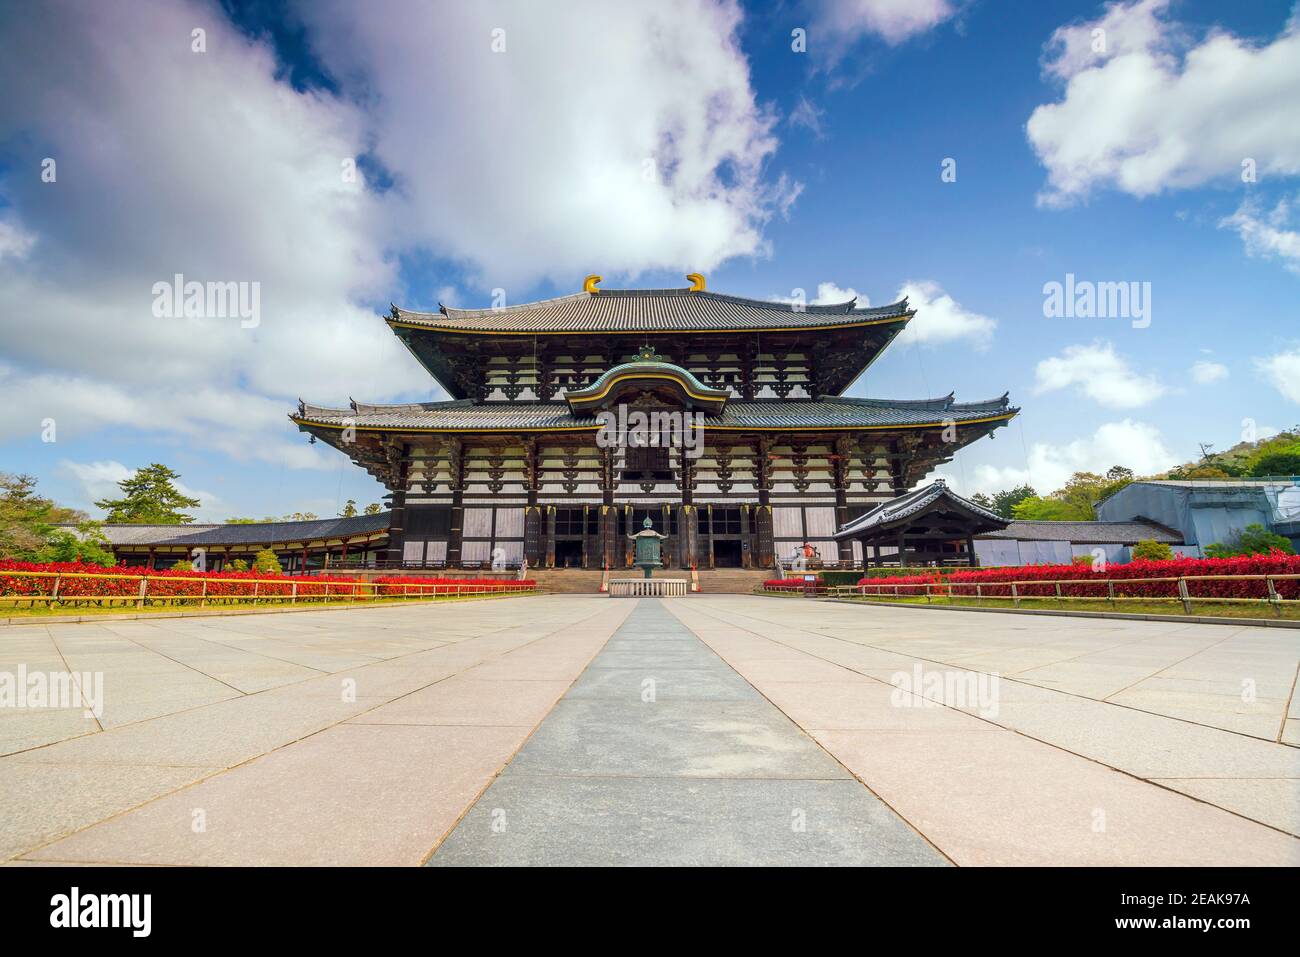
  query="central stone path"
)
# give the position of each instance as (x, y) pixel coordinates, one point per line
(660, 753)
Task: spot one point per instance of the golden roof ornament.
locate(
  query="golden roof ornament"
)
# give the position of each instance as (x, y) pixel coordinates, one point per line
(697, 281)
(590, 283)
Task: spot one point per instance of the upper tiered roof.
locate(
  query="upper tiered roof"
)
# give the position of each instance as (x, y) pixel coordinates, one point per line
(614, 311)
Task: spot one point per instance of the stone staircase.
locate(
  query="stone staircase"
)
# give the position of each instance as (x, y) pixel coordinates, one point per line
(579, 581)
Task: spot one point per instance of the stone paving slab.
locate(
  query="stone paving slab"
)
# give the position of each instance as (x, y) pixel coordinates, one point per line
(706, 772)
(283, 777)
(976, 782)
(595, 822)
(351, 795)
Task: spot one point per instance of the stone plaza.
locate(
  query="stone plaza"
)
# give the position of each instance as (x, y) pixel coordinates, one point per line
(708, 729)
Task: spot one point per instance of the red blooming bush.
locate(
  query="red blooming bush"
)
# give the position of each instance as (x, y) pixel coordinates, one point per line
(1081, 581)
(123, 583)
(785, 583)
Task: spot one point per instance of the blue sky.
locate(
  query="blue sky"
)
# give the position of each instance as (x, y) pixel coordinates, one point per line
(522, 169)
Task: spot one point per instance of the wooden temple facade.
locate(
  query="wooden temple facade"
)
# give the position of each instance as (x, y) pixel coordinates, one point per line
(521, 462)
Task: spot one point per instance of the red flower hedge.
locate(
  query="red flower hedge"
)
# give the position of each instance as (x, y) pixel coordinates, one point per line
(184, 583)
(818, 585)
(996, 581)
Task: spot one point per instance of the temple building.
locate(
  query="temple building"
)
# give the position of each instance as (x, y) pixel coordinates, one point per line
(571, 420)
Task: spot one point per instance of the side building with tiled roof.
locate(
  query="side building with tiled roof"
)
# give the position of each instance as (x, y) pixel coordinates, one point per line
(571, 420)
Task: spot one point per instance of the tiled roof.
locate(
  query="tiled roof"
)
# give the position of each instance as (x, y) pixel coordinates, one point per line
(648, 310)
(830, 412)
(254, 533)
(1088, 533)
(912, 503)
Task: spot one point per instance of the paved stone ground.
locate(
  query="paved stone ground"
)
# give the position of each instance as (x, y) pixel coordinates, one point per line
(662, 754)
(776, 735)
(332, 737)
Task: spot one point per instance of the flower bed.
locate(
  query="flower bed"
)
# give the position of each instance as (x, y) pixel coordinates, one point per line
(790, 584)
(77, 582)
(1080, 581)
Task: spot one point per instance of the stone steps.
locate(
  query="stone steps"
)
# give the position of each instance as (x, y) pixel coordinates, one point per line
(576, 581)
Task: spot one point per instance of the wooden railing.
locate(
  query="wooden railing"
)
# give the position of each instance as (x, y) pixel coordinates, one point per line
(1014, 590)
(256, 591)
(647, 587)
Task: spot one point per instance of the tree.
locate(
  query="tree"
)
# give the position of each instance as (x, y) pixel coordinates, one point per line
(149, 498)
(374, 508)
(1003, 502)
(266, 561)
(1277, 463)
(350, 509)
(28, 520)
(1036, 509)
(239, 565)
(1150, 550)
(301, 517)
(86, 544)
(1252, 540)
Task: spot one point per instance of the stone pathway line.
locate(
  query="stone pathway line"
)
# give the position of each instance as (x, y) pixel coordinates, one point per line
(662, 754)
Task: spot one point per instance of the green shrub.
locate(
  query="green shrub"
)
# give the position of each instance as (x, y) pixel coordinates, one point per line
(1150, 550)
(1252, 540)
(266, 561)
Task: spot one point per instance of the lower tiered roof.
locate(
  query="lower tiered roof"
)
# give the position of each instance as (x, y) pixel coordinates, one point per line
(824, 414)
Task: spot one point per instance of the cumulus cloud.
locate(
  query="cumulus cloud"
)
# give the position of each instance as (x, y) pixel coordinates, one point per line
(940, 318)
(1134, 445)
(1283, 372)
(1204, 372)
(844, 22)
(1145, 109)
(209, 165)
(1268, 235)
(1100, 373)
(529, 146)
(99, 480)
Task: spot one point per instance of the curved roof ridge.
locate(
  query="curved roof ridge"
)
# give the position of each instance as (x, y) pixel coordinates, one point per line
(846, 308)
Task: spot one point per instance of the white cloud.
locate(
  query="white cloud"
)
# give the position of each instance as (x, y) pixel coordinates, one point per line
(1134, 445)
(807, 114)
(100, 480)
(15, 243)
(610, 138)
(1204, 372)
(1267, 235)
(1283, 371)
(845, 21)
(940, 318)
(212, 166)
(1099, 373)
(829, 294)
(1153, 111)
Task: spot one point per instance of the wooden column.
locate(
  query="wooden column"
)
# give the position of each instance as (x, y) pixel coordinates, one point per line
(456, 535)
(841, 451)
(746, 552)
(550, 536)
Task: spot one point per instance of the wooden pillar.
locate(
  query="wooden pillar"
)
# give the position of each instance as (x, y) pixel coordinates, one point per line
(550, 536)
(970, 551)
(841, 451)
(875, 553)
(455, 538)
(746, 552)
(902, 548)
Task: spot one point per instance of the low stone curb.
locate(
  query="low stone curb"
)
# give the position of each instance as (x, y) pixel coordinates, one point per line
(1186, 619)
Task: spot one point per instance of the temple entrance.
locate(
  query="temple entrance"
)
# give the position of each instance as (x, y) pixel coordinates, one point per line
(726, 553)
(568, 554)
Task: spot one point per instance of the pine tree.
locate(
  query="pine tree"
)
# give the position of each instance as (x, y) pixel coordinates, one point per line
(150, 498)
